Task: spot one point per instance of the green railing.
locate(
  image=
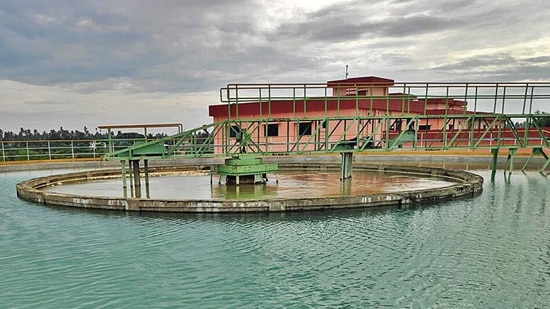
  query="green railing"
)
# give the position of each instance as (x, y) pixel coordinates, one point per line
(52, 150)
(61, 149)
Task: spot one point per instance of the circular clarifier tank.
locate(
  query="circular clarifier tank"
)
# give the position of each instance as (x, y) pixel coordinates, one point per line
(294, 188)
(287, 184)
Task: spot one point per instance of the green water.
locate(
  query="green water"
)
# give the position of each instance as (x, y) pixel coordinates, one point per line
(490, 251)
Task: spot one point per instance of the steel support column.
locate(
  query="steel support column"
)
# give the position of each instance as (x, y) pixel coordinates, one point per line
(346, 165)
(137, 180)
(494, 152)
(124, 184)
(146, 172)
(510, 160)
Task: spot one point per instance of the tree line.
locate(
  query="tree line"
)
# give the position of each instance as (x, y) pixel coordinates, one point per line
(63, 134)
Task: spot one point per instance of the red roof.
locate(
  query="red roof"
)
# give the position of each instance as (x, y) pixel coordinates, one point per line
(453, 112)
(362, 80)
(286, 107)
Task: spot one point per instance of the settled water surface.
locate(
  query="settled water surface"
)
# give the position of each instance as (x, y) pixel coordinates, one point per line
(289, 185)
(490, 251)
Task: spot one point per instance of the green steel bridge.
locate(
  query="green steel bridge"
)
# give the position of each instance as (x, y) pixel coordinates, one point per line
(507, 116)
(496, 116)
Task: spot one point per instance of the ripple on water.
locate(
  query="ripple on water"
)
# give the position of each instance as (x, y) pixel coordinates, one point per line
(491, 251)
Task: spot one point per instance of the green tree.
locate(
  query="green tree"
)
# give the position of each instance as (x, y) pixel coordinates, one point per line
(542, 119)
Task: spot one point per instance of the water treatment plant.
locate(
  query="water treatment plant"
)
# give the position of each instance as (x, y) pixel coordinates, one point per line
(259, 126)
(446, 209)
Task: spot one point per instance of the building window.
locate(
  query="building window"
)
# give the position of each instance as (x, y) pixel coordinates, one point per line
(424, 127)
(271, 129)
(234, 131)
(304, 128)
(396, 126)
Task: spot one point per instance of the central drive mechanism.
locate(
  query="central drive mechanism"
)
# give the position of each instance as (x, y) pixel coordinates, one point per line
(245, 169)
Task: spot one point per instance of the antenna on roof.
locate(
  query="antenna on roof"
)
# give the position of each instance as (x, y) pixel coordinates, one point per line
(346, 71)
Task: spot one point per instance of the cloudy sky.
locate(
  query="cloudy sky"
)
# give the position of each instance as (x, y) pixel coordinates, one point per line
(83, 63)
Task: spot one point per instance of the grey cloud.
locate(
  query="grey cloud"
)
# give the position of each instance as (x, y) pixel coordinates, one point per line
(500, 66)
(538, 60)
(415, 25)
(479, 62)
(341, 23)
(84, 42)
(174, 45)
(44, 103)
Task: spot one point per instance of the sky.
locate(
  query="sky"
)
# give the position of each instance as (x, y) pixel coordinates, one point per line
(88, 63)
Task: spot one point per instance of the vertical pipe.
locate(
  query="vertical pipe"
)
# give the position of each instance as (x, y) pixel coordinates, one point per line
(494, 152)
(212, 169)
(131, 172)
(124, 184)
(510, 160)
(146, 171)
(137, 180)
(346, 165)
